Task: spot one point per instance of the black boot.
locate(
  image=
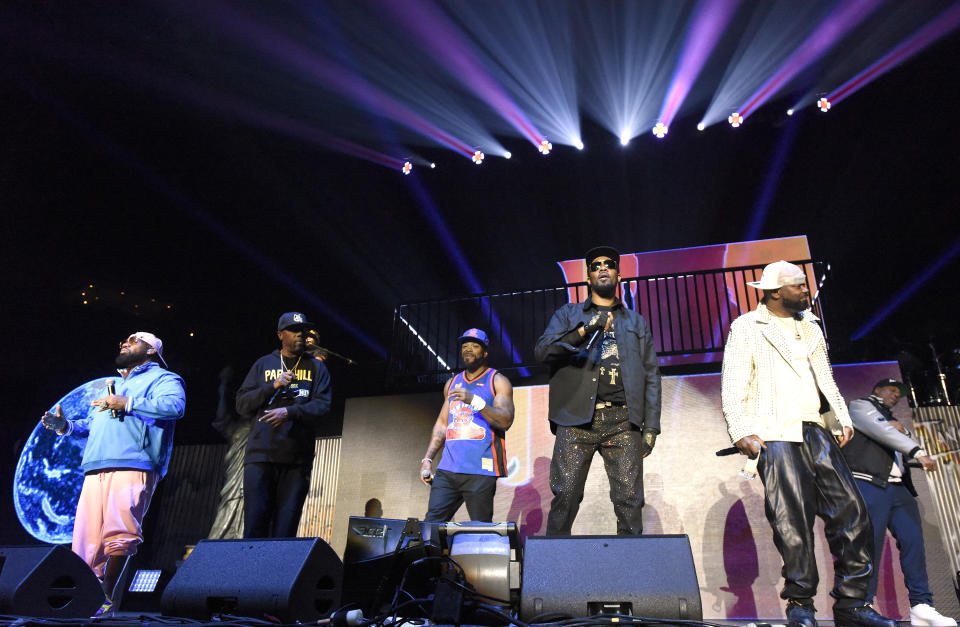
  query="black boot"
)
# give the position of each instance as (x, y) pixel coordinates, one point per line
(863, 616)
(801, 614)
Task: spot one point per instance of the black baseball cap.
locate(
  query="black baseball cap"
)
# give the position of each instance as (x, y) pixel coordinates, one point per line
(900, 385)
(602, 251)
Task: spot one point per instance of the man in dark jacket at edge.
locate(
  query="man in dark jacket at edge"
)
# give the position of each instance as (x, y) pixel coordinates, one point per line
(878, 462)
(604, 395)
(286, 392)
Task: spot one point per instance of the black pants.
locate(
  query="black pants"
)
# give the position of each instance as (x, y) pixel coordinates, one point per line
(273, 496)
(619, 443)
(803, 480)
(451, 489)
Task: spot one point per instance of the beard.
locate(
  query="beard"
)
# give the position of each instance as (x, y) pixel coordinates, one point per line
(605, 290)
(798, 305)
(128, 359)
(472, 362)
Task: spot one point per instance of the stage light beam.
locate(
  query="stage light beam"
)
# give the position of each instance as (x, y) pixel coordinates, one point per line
(478, 157)
(545, 147)
(735, 119)
(660, 130)
(823, 104)
(407, 168)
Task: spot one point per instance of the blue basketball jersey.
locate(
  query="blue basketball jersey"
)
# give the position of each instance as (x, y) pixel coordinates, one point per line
(473, 446)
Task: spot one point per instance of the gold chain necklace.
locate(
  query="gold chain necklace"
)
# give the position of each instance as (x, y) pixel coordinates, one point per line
(283, 366)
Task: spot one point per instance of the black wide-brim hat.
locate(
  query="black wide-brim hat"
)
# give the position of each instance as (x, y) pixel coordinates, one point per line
(602, 251)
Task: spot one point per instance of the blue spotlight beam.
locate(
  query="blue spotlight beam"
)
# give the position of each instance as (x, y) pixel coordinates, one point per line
(772, 180)
(774, 30)
(529, 45)
(628, 51)
(908, 290)
(449, 242)
(439, 35)
(710, 18)
(323, 72)
(825, 36)
(934, 30)
(370, 49)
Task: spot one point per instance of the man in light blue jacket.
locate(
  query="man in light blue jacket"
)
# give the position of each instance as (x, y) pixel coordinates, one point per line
(129, 441)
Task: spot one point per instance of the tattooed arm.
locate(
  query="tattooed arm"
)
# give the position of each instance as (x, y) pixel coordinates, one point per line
(437, 438)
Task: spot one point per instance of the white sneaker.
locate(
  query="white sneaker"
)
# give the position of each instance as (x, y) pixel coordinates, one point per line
(924, 615)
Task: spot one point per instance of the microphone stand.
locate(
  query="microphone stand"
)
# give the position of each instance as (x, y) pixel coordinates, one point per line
(326, 353)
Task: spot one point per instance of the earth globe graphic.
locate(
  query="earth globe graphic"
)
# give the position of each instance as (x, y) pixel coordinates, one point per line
(47, 482)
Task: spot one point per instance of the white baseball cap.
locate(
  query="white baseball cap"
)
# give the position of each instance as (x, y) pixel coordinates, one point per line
(153, 342)
(777, 274)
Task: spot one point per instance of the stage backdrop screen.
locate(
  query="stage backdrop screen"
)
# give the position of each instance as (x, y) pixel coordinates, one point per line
(688, 488)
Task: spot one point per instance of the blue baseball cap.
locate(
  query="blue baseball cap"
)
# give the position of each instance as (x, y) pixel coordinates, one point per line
(474, 335)
(293, 319)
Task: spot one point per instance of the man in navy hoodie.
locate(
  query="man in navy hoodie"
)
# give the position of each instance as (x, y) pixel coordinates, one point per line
(286, 393)
(129, 441)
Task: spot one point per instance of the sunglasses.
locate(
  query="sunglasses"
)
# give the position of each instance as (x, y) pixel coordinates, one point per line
(610, 264)
(131, 341)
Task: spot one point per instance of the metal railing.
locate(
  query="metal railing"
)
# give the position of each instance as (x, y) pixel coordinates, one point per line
(938, 429)
(316, 521)
(689, 315)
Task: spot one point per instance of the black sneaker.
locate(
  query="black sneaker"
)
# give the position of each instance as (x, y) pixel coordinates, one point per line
(863, 616)
(800, 615)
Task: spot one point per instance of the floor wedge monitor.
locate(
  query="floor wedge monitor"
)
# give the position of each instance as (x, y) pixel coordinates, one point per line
(579, 576)
(47, 581)
(289, 579)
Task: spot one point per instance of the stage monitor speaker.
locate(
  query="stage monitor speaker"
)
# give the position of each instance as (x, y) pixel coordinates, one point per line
(291, 579)
(580, 576)
(380, 552)
(47, 581)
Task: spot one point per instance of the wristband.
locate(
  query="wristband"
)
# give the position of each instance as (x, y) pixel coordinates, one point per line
(428, 460)
(477, 404)
(920, 453)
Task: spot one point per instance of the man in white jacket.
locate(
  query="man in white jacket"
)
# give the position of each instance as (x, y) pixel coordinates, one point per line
(781, 403)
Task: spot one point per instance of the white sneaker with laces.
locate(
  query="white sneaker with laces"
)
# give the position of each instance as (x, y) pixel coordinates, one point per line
(924, 615)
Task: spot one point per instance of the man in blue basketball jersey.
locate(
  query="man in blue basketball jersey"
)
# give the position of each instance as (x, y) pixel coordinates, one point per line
(477, 410)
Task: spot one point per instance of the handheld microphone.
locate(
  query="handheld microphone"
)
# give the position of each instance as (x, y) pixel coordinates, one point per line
(593, 338)
(111, 390)
(732, 450)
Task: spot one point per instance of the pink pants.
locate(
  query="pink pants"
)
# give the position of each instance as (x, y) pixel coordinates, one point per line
(111, 508)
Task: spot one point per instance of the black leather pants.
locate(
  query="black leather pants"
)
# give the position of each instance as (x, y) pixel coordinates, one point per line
(808, 479)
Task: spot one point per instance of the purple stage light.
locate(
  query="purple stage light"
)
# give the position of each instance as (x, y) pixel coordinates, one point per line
(660, 130)
(735, 119)
(831, 30)
(710, 18)
(407, 167)
(908, 290)
(934, 30)
(478, 157)
(545, 147)
(329, 75)
(823, 104)
(449, 48)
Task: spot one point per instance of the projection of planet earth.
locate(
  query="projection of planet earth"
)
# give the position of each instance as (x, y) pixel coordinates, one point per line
(47, 482)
